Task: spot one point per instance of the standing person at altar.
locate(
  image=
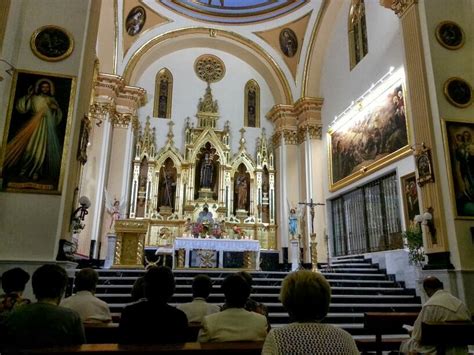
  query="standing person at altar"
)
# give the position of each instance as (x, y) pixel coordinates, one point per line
(207, 170)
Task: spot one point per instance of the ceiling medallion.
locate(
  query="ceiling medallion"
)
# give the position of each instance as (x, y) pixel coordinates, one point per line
(209, 68)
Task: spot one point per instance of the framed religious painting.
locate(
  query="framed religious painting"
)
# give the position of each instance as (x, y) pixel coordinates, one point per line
(52, 43)
(411, 205)
(37, 132)
(458, 92)
(369, 135)
(459, 150)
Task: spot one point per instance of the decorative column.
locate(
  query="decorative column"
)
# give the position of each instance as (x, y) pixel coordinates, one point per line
(435, 240)
(125, 123)
(106, 90)
(308, 111)
(285, 142)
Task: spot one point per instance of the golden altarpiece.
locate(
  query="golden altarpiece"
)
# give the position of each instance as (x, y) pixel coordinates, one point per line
(171, 189)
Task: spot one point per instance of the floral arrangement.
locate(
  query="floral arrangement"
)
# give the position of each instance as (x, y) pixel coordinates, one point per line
(414, 239)
(197, 229)
(77, 225)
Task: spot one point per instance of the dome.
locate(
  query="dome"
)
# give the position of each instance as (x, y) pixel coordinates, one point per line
(233, 11)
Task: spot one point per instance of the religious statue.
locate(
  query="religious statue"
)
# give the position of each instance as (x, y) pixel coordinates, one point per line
(293, 222)
(116, 210)
(241, 190)
(205, 216)
(207, 170)
(168, 189)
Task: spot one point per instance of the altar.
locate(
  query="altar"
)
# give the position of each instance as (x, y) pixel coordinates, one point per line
(206, 249)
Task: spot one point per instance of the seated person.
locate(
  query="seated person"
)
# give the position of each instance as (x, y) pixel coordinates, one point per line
(306, 296)
(153, 321)
(90, 308)
(199, 308)
(251, 305)
(44, 323)
(138, 290)
(440, 307)
(13, 284)
(234, 323)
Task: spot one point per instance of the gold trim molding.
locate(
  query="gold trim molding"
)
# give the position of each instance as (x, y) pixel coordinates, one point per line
(140, 52)
(400, 7)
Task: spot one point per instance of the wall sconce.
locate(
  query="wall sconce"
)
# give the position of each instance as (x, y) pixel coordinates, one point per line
(85, 203)
(426, 219)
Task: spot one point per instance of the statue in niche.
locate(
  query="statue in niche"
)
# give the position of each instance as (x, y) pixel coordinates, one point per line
(168, 189)
(241, 187)
(207, 170)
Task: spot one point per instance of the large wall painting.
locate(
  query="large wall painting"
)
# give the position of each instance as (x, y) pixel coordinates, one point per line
(37, 131)
(369, 137)
(459, 149)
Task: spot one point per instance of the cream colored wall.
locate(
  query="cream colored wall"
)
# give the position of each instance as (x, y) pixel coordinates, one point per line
(32, 224)
(442, 64)
(188, 88)
(340, 86)
(106, 38)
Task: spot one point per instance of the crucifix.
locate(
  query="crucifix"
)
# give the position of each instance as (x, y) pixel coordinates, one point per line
(311, 206)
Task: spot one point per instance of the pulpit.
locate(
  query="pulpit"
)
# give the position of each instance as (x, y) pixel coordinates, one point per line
(130, 243)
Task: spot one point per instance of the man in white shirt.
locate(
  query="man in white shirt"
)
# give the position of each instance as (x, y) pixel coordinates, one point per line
(199, 308)
(235, 323)
(440, 307)
(90, 308)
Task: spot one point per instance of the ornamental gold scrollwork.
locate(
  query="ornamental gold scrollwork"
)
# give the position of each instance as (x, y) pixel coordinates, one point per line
(209, 68)
(401, 6)
(180, 258)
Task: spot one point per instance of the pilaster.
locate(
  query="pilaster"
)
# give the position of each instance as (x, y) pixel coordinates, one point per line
(436, 246)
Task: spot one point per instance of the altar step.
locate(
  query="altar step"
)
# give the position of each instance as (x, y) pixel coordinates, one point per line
(357, 287)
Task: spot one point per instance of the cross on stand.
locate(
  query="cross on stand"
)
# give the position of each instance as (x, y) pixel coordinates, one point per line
(314, 256)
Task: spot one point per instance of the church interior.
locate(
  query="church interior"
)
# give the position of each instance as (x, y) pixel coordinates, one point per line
(254, 135)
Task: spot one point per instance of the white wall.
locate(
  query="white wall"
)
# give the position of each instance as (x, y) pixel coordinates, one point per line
(188, 88)
(340, 86)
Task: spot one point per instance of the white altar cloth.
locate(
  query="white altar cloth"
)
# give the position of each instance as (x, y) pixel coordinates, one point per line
(219, 245)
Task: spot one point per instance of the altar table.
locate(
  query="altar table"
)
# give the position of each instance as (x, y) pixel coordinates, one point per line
(219, 245)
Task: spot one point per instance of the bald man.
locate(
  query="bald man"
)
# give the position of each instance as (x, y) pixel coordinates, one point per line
(440, 307)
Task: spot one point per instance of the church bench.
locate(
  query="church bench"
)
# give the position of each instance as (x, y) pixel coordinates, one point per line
(383, 323)
(103, 333)
(246, 348)
(444, 334)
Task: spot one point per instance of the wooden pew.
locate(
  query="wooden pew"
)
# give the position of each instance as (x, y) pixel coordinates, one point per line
(383, 323)
(108, 333)
(245, 348)
(447, 334)
(101, 333)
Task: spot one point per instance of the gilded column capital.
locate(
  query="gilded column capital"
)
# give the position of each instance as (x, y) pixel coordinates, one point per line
(308, 111)
(107, 86)
(285, 123)
(400, 7)
(129, 100)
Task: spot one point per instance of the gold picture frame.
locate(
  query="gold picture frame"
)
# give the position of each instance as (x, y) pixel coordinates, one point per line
(450, 35)
(52, 43)
(411, 204)
(458, 92)
(345, 169)
(38, 102)
(457, 134)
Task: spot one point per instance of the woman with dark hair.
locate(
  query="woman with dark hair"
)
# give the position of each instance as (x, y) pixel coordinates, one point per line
(13, 284)
(306, 296)
(153, 321)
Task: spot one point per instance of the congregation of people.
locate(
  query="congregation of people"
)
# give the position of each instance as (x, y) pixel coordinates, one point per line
(150, 319)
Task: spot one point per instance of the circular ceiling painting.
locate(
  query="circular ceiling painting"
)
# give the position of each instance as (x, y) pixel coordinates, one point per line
(233, 11)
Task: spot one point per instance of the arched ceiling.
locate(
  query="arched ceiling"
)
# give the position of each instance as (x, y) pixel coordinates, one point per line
(233, 11)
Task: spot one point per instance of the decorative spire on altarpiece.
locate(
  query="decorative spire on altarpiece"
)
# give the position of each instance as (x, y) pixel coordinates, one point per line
(146, 142)
(208, 110)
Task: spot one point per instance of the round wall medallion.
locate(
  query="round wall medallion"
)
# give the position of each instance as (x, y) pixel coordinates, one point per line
(458, 92)
(450, 35)
(52, 43)
(209, 68)
(135, 20)
(288, 42)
